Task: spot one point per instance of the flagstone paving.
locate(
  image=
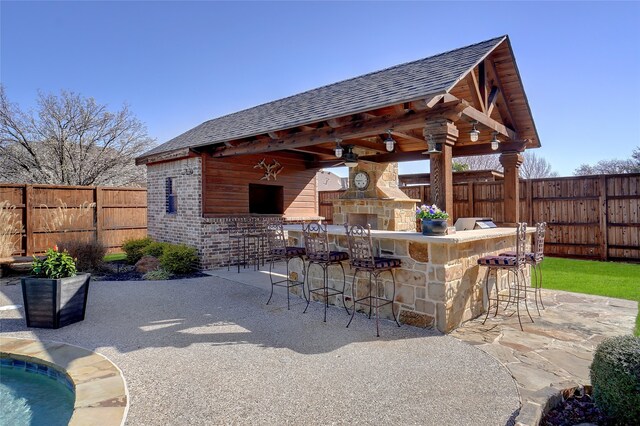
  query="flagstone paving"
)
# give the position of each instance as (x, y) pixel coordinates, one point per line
(555, 351)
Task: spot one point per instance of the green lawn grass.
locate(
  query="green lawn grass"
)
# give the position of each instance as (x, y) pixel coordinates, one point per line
(620, 280)
(112, 257)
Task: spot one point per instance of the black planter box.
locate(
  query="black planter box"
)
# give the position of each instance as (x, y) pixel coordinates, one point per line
(50, 303)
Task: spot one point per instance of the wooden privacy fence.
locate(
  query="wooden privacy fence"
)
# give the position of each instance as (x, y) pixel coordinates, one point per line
(595, 217)
(56, 214)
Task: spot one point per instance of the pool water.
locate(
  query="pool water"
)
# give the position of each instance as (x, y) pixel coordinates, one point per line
(29, 398)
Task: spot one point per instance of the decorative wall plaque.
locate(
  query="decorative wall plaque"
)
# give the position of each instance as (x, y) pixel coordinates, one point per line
(270, 170)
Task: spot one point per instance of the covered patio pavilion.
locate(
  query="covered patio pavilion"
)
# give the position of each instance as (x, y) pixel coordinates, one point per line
(259, 164)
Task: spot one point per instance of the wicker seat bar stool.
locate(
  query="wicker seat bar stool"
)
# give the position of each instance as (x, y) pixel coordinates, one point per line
(278, 250)
(316, 243)
(361, 258)
(535, 259)
(514, 265)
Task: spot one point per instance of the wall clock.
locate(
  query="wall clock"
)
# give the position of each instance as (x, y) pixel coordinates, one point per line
(361, 180)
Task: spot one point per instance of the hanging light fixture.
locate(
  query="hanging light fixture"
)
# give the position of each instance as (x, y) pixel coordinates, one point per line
(350, 157)
(474, 133)
(433, 146)
(495, 142)
(389, 142)
(338, 149)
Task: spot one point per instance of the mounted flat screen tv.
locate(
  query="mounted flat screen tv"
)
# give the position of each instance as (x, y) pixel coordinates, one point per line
(266, 199)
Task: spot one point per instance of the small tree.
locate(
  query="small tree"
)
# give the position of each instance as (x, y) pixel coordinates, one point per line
(70, 140)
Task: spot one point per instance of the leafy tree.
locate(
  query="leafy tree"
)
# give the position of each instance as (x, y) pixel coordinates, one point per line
(460, 167)
(70, 140)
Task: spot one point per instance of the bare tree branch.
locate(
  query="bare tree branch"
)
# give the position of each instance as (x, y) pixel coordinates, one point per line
(535, 167)
(70, 140)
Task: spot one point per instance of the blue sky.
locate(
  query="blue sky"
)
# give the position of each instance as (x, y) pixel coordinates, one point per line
(178, 64)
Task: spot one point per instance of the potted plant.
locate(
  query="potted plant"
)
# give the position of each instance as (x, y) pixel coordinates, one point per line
(55, 295)
(434, 220)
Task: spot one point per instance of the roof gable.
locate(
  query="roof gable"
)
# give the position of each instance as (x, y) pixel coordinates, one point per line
(401, 83)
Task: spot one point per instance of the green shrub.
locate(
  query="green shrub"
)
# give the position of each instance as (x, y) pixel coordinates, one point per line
(155, 249)
(89, 255)
(179, 259)
(134, 248)
(56, 264)
(157, 275)
(615, 376)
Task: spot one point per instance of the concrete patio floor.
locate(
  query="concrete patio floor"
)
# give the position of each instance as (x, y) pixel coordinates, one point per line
(209, 351)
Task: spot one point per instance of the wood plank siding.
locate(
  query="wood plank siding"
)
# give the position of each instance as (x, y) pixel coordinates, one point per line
(226, 184)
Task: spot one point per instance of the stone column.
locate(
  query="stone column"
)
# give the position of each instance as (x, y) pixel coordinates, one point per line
(511, 162)
(444, 133)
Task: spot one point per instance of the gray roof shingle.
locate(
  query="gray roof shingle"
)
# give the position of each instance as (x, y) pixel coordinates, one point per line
(400, 83)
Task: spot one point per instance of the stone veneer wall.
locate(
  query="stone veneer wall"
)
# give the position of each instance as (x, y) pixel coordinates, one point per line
(439, 285)
(209, 235)
(393, 215)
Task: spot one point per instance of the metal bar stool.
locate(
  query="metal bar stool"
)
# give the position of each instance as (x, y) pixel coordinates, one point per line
(316, 242)
(278, 250)
(362, 258)
(535, 259)
(244, 243)
(513, 265)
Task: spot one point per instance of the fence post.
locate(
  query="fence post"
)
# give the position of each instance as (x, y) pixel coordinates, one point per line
(28, 220)
(604, 219)
(470, 198)
(98, 199)
(529, 201)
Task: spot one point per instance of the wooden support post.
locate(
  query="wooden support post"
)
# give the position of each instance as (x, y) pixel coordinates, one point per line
(511, 162)
(28, 220)
(470, 200)
(98, 197)
(604, 222)
(444, 133)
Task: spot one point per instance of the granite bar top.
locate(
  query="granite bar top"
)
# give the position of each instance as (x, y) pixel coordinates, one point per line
(459, 237)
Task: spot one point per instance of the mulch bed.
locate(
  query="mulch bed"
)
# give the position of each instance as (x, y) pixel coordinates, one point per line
(577, 407)
(122, 271)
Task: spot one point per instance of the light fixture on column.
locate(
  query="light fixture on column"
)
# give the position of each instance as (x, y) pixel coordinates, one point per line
(474, 133)
(495, 142)
(350, 157)
(434, 148)
(389, 142)
(338, 149)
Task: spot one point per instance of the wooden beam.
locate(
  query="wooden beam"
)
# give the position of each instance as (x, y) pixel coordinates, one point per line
(485, 120)
(362, 143)
(492, 100)
(482, 81)
(408, 137)
(353, 130)
(395, 157)
(503, 107)
(474, 89)
(315, 150)
(485, 149)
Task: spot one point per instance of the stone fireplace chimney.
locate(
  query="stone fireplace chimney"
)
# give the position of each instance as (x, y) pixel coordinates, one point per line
(382, 204)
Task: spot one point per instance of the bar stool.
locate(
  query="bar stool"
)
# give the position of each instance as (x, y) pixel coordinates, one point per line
(246, 244)
(362, 258)
(316, 243)
(512, 264)
(278, 250)
(534, 259)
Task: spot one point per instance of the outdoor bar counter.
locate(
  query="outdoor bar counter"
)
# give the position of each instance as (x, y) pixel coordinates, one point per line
(439, 283)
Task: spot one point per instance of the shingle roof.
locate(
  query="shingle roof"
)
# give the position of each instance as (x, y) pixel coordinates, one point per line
(401, 83)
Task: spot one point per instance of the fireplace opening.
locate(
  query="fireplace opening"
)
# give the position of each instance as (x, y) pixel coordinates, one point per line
(266, 199)
(363, 219)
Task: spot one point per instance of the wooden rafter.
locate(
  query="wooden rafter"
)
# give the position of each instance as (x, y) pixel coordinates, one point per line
(493, 96)
(482, 82)
(489, 122)
(353, 130)
(408, 137)
(474, 89)
(503, 107)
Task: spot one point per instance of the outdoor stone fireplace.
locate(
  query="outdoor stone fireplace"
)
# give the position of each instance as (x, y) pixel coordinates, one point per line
(382, 204)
